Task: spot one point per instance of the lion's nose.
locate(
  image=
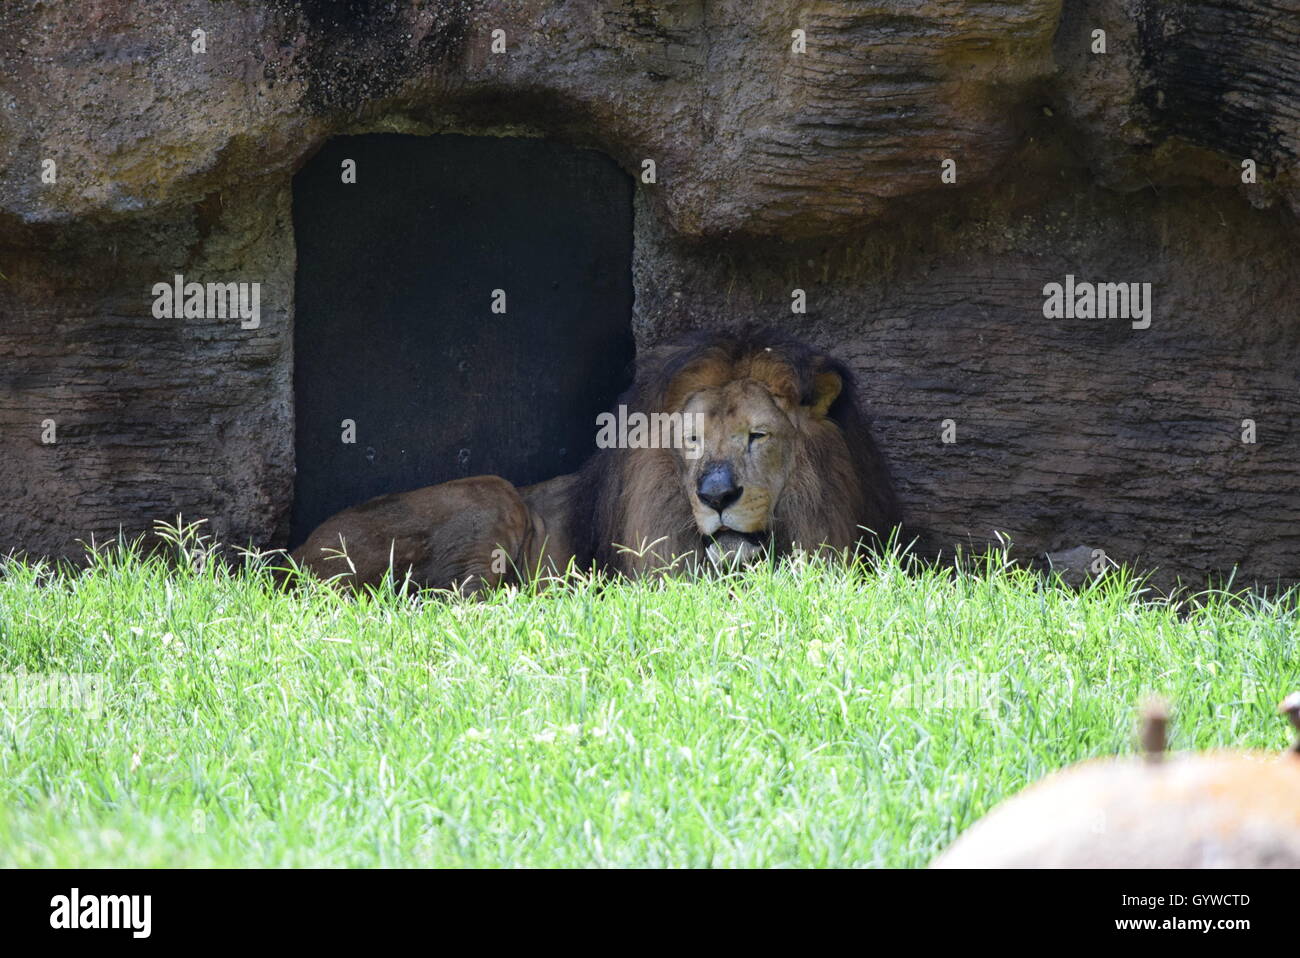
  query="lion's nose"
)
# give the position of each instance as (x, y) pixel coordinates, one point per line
(717, 488)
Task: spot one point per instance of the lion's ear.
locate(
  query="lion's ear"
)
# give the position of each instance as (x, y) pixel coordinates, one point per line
(826, 389)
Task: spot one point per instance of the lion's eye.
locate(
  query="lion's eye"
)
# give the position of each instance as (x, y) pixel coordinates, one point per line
(756, 436)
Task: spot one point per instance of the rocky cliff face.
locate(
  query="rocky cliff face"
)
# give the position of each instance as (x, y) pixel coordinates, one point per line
(775, 169)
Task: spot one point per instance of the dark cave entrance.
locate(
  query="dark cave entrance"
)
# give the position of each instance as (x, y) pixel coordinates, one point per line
(394, 328)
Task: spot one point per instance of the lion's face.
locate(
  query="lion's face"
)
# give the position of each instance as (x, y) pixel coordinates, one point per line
(738, 456)
(770, 459)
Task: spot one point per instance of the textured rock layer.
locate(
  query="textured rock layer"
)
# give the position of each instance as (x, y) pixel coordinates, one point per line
(775, 169)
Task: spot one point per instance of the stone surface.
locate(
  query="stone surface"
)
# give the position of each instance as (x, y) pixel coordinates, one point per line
(1068, 431)
(1201, 810)
(774, 170)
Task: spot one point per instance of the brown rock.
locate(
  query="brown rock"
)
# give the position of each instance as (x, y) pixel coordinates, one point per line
(775, 170)
(1207, 811)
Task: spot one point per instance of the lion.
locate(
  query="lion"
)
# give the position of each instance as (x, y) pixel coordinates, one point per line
(777, 457)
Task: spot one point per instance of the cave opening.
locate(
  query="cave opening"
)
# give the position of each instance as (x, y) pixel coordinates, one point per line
(463, 305)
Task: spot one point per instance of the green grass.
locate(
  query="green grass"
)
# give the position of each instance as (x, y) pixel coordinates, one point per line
(788, 716)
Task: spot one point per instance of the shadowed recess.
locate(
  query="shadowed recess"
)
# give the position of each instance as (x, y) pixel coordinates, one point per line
(395, 329)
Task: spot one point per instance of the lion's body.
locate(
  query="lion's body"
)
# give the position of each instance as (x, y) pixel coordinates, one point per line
(779, 434)
(444, 536)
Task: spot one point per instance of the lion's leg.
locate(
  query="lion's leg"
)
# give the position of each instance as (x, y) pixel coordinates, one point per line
(468, 534)
(550, 546)
(477, 535)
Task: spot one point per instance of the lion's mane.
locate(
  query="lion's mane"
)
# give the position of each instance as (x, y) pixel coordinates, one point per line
(839, 492)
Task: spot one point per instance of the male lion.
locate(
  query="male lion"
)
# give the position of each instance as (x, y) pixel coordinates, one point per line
(781, 459)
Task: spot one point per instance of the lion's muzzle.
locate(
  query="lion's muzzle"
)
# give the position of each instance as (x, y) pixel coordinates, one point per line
(717, 487)
(729, 549)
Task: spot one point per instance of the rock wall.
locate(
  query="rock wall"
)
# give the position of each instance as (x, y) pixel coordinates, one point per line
(775, 170)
